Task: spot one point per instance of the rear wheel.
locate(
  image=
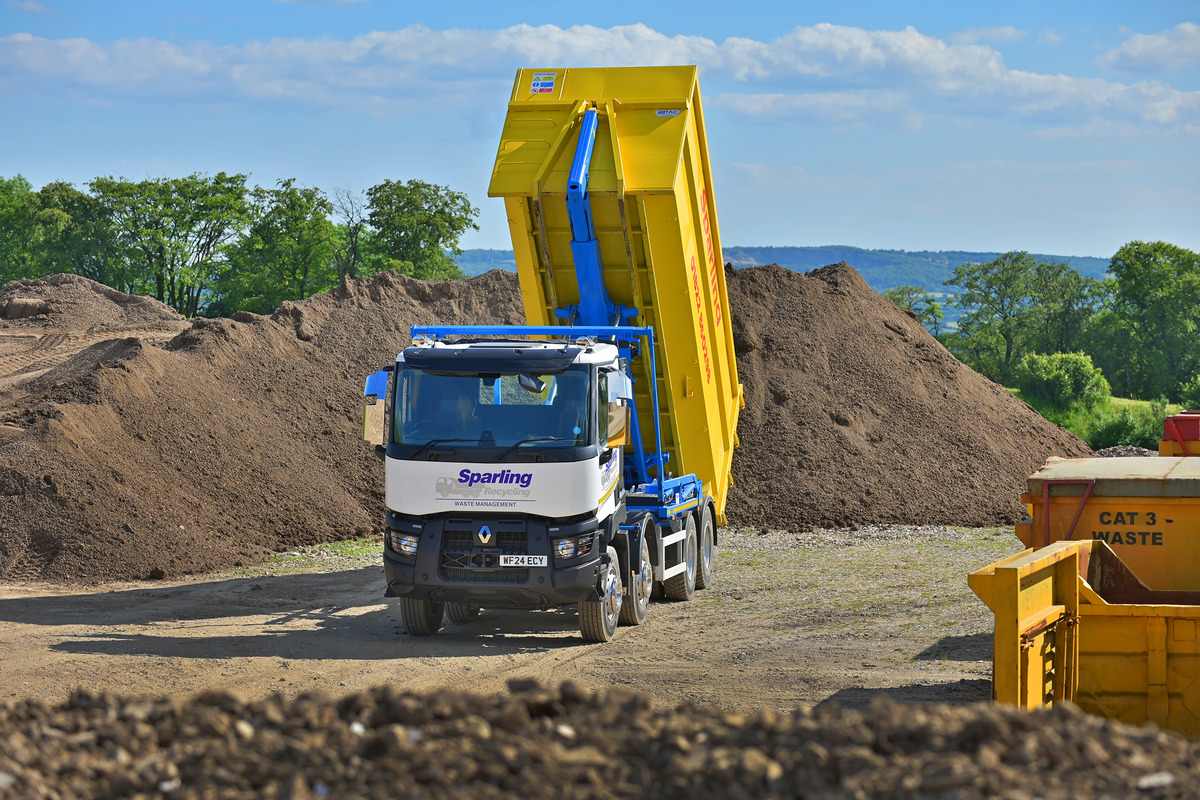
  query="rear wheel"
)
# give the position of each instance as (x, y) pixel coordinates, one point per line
(641, 580)
(598, 618)
(421, 617)
(683, 585)
(462, 612)
(704, 570)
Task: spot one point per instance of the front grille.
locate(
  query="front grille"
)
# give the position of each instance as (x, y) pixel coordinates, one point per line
(507, 542)
(464, 559)
(473, 575)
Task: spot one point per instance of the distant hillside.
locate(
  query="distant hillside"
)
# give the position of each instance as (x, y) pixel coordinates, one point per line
(477, 262)
(882, 269)
(887, 269)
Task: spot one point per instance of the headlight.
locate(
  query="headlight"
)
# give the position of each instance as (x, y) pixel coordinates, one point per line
(403, 543)
(570, 547)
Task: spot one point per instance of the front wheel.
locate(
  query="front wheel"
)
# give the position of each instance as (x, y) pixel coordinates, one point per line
(598, 618)
(421, 617)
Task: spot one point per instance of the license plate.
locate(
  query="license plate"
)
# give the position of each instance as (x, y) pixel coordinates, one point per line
(522, 561)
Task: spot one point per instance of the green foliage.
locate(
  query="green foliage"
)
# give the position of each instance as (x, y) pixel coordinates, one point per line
(921, 303)
(286, 253)
(173, 229)
(1016, 305)
(1140, 426)
(1189, 392)
(419, 225)
(18, 231)
(212, 245)
(1061, 380)
(1152, 347)
(79, 237)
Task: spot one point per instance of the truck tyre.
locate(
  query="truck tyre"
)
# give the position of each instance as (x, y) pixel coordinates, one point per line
(704, 569)
(421, 617)
(640, 583)
(598, 618)
(462, 612)
(683, 585)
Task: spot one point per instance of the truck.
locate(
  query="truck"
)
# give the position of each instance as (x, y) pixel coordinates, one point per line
(582, 459)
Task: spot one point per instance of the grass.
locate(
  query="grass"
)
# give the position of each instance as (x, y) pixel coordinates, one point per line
(1096, 426)
(324, 557)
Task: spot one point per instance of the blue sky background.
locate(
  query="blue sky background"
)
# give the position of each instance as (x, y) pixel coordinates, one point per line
(1065, 127)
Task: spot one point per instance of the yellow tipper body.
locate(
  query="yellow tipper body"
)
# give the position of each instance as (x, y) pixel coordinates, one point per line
(652, 206)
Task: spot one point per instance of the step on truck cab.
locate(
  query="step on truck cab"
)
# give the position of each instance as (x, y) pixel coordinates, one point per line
(583, 459)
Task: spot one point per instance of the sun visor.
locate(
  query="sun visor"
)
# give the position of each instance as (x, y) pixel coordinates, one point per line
(505, 360)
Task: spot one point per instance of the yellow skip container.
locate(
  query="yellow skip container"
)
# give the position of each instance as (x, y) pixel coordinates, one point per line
(1146, 509)
(652, 206)
(1075, 623)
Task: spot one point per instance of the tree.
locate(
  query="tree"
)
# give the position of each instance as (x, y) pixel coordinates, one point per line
(355, 252)
(1155, 297)
(921, 303)
(287, 252)
(78, 237)
(18, 230)
(999, 297)
(419, 225)
(174, 229)
(1063, 301)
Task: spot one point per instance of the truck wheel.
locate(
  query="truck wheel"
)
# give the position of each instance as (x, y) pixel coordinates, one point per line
(637, 596)
(704, 571)
(462, 612)
(598, 618)
(683, 585)
(421, 617)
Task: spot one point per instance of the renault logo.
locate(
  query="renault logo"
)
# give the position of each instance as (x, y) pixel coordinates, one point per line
(484, 535)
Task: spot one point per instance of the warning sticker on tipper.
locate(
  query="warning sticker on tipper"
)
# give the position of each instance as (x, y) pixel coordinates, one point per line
(543, 82)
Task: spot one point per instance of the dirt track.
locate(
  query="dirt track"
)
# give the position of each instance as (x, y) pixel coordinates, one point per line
(795, 619)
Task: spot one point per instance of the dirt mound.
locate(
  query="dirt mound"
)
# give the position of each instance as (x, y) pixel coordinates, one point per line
(855, 414)
(566, 743)
(235, 439)
(70, 303)
(240, 437)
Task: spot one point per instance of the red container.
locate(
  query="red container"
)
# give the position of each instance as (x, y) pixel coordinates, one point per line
(1187, 423)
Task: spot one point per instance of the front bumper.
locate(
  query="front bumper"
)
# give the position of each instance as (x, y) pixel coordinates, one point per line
(452, 565)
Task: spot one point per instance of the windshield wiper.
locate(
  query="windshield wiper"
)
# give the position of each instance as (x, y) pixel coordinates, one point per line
(431, 442)
(534, 439)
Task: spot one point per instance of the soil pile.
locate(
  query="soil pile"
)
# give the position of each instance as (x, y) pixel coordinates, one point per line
(131, 457)
(70, 304)
(235, 439)
(855, 414)
(566, 743)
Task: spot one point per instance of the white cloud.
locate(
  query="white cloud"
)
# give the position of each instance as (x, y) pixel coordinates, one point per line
(1050, 36)
(822, 73)
(30, 7)
(1006, 33)
(1163, 52)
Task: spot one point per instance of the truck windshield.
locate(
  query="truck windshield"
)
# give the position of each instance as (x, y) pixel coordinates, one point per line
(508, 411)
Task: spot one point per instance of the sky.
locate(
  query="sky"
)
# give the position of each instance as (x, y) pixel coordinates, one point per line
(1062, 127)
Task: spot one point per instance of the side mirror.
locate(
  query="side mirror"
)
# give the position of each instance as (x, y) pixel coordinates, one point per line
(618, 425)
(375, 411)
(619, 387)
